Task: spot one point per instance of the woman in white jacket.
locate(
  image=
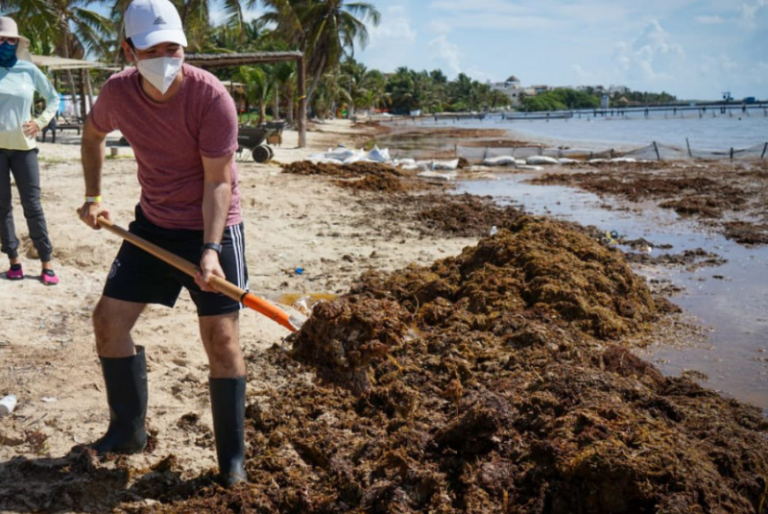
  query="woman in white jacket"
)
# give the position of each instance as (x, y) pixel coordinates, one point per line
(19, 80)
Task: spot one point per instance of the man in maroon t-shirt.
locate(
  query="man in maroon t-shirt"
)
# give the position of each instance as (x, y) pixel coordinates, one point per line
(182, 126)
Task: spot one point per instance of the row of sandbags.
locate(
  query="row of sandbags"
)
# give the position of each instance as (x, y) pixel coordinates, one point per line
(343, 155)
(535, 161)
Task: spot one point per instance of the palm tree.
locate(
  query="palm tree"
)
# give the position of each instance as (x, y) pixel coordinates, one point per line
(66, 26)
(331, 94)
(325, 30)
(258, 86)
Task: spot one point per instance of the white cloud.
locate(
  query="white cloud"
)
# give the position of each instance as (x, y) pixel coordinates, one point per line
(395, 27)
(446, 54)
(652, 57)
(709, 20)
(750, 12)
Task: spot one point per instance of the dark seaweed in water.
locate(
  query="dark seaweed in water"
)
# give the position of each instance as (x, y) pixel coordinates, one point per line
(493, 382)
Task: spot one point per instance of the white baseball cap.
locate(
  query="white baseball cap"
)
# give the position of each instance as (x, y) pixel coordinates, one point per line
(151, 22)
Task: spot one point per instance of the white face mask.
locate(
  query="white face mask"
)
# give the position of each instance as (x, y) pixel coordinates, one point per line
(160, 71)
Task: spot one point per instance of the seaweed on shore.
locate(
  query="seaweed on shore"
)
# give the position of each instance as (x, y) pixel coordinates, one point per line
(355, 169)
(730, 197)
(494, 381)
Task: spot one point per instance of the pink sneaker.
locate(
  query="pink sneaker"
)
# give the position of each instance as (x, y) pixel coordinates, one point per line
(49, 278)
(15, 274)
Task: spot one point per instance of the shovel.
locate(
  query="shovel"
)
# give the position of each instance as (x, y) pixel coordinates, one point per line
(219, 284)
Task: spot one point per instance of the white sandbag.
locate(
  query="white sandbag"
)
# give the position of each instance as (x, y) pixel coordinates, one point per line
(409, 167)
(596, 161)
(424, 165)
(564, 160)
(529, 167)
(340, 154)
(540, 159)
(358, 156)
(445, 165)
(377, 155)
(623, 159)
(437, 176)
(503, 160)
(404, 162)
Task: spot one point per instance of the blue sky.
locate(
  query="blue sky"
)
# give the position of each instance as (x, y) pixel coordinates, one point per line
(694, 49)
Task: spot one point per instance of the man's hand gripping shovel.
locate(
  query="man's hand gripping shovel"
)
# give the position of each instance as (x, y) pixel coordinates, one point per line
(224, 287)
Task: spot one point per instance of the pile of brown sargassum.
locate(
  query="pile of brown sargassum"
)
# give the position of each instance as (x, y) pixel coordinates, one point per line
(492, 382)
(495, 381)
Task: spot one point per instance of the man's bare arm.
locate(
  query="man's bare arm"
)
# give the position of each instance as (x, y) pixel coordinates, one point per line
(93, 150)
(217, 194)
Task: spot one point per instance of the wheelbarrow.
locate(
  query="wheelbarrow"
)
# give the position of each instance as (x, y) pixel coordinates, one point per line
(254, 139)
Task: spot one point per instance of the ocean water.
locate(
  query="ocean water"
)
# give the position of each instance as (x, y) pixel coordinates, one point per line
(712, 131)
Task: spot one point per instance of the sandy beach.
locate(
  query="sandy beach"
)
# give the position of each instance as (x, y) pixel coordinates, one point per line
(46, 343)
(456, 373)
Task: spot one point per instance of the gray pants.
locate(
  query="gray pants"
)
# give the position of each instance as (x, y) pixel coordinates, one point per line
(26, 171)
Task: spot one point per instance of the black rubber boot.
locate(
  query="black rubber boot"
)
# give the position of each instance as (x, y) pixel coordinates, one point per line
(126, 380)
(228, 408)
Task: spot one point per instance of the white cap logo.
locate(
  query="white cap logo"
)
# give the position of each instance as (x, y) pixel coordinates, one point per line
(152, 22)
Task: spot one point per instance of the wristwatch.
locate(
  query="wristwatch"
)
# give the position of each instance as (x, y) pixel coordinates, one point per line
(216, 247)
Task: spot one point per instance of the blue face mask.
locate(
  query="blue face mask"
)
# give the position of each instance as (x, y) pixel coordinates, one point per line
(8, 54)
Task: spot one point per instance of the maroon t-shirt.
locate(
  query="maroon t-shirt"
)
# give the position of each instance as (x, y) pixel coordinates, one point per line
(169, 140)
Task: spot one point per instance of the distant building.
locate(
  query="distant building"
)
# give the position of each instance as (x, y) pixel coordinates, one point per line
(605, 101)
(510, 87)
(540, 89)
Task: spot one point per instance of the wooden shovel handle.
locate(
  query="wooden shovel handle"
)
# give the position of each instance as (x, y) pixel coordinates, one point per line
(219, 284)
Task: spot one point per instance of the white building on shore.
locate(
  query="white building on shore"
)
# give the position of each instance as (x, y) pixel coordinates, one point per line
(510, 87)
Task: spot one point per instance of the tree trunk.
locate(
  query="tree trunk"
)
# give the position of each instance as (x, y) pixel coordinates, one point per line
(276, 108)
(291, 107)
(83, 108)
(72, 89)
(119, 38)
(262, 111)
(73, 94)
(315, 80)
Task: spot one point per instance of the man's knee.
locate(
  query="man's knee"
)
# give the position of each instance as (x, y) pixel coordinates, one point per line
(224, 347)
(101, 325)
(112, 324)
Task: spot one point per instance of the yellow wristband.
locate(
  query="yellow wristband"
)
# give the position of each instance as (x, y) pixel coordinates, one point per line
(93, 199)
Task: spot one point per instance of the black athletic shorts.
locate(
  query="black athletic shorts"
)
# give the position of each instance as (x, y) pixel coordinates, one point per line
(137, 276)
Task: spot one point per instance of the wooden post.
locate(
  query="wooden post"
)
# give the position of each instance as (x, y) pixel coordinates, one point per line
(302, 103)
(83, 110)
(731, 153)
(655, 147)
(689, 147)
(764, 149)
(89, 88)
